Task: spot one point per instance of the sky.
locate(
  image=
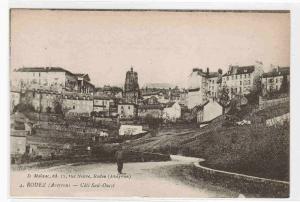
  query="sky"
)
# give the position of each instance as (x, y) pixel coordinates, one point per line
(163, 47)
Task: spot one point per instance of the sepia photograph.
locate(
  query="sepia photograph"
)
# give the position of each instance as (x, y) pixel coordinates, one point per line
(149, 103)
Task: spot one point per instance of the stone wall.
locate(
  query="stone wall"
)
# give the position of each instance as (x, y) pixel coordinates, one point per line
(278, 120)
(264, 103)
(244, 183)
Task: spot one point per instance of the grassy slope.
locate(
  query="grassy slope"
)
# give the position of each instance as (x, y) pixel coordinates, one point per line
(255, 149)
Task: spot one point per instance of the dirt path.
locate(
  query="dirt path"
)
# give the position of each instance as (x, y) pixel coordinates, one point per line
(148, 179)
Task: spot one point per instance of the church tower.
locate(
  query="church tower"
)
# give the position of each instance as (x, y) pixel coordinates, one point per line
(131, 87)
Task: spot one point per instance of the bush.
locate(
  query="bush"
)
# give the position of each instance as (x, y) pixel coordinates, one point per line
(24, 108)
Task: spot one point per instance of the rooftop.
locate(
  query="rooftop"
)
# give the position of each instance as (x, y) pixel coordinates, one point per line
(279, 71)
(233, 70)
(43, 69)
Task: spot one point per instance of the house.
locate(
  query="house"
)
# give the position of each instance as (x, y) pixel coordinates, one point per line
(150, 106)
(103, 103)
(47, 78)
(171, 112)
(109, 91)
(130, 130)
(146, 94)
(272, 81)
(208, 111)
(18, 141)
(15, 98)
(76, 103)
(201, 86)
(242, 79)
(127, 110)
(150, 100)
(84, 85)
(18, 134)
(214, 83)
(154, 110)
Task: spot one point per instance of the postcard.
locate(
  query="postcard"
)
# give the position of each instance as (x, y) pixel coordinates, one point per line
(149, 103)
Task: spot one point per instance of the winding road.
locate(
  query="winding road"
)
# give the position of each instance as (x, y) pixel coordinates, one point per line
(142, 179)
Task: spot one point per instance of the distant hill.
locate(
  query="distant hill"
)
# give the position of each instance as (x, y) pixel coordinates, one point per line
(159, 85)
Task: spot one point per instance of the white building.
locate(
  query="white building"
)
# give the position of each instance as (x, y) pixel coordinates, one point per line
(102, 103)
(76, 104)
(15, 98)
(272, 81)
(242, 79)
(126, 110)
(172, 112)
(130, 130)
(201, 86)
(209, 111)
(46, 78)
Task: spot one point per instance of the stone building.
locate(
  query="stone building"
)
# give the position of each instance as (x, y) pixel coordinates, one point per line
(15, 98)
(171, 112)
(103, 103)
(242, 79)
(75, 104)
(272, 81)
(84, 83)
(201, 86)
(209, 111)
(127, 110)
(131, 87)
(46, 78)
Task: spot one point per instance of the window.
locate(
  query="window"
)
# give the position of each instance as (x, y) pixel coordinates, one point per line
(240, 76)
(232, 77)
(128, 107)
(241, 83)
(227, 78)
(245, 75)
(73, 106)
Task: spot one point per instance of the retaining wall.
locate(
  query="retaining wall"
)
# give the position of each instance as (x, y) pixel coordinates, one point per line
(244, 183)
(263, 103)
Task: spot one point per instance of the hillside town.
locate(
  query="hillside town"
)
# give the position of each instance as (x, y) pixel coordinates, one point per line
(53, 101)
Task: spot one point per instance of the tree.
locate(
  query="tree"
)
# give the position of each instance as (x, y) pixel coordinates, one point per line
(58, 108)
(153, 123)
(23, 108)
(284, 88)
(224, 97)
(48, 109)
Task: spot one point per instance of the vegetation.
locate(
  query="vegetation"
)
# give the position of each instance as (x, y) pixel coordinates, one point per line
(250, 149)
(24, 108)
(224, 97)
(153, 123)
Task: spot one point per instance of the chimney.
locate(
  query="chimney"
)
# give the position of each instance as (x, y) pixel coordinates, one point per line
(207, 70)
